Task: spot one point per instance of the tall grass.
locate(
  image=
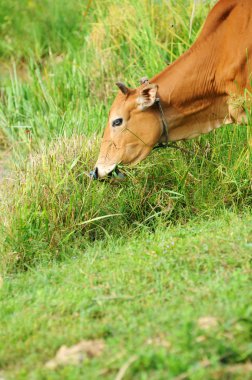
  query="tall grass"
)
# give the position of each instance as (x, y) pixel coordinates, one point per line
(54, 104)
(52, 203)
(64, 58)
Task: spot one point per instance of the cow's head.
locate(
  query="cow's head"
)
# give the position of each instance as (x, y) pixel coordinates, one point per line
(133, 128)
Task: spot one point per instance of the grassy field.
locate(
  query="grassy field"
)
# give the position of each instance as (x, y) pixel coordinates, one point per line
(157, 267)
(176, 301)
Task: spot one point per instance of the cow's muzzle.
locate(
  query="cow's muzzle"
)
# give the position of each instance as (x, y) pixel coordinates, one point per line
(114, 173)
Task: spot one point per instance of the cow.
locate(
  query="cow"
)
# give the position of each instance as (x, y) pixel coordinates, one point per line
(190, 97)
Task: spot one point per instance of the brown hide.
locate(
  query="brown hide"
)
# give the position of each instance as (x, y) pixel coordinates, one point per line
(195, 90)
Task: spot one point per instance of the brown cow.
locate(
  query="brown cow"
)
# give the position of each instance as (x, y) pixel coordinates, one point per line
(194, 91)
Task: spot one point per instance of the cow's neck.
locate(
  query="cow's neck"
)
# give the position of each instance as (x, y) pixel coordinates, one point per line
(193, 101)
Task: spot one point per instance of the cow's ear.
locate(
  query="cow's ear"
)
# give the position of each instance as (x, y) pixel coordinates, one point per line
(147, 96)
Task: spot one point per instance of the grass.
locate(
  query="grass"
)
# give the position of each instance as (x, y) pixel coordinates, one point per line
(145, 298)
(137, 263)
(53, 202)
(68, 72)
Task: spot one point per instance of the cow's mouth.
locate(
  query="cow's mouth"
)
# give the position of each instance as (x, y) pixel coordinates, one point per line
(114, 174)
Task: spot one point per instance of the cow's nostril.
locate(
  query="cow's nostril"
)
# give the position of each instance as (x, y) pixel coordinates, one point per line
(94, 173)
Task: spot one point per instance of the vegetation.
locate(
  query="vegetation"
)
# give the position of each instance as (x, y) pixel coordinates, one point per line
(176, 302)
(158, 265)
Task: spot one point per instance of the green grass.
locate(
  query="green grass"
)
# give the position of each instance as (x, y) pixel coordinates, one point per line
(53, 202)
(138, 262)
(62, 76)
(145, 298)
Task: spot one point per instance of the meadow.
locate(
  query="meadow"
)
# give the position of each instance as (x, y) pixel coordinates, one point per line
(158, 266)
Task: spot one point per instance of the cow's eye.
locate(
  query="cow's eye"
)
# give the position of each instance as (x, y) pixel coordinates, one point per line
(117, 122)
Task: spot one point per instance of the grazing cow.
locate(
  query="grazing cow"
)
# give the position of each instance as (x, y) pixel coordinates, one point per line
(194, 92)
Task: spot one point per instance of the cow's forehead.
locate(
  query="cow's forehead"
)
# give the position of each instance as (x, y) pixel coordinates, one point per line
(117, 111)
(122, 104)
